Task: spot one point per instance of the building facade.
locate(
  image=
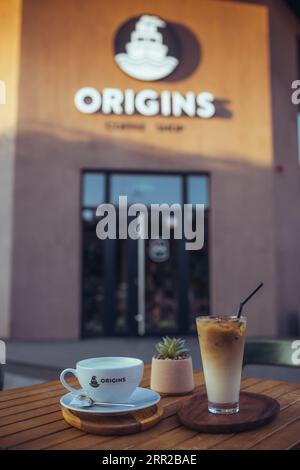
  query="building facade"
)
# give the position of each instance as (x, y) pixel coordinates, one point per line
(168, 102)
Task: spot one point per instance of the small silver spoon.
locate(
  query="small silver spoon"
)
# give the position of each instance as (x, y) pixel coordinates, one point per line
(85, 402)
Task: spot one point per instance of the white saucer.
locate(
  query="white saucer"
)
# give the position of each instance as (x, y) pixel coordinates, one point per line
(141, 398)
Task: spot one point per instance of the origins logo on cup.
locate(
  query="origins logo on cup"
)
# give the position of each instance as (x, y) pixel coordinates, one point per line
(106, 379)
(95, 382)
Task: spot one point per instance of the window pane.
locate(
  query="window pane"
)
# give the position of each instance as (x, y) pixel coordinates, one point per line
(93, 277)
(198, 190)
(199, 279)
(198, 193)
(146, 189)
(161, 290)
(93, 189)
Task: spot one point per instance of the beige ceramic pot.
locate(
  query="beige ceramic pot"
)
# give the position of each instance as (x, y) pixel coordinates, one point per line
(172, 377)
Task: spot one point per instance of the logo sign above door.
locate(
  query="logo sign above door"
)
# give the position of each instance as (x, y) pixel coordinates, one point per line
(151, 51)
(147, 49)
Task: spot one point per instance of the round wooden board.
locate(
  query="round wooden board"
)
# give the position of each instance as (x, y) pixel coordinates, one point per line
(255, 410)
(128, 423)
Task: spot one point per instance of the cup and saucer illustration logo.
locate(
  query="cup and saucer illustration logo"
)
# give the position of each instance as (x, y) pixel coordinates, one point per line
(146, 48)
(94, 383)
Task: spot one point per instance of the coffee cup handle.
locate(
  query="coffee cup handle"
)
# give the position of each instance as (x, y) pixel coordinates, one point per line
(64, 382)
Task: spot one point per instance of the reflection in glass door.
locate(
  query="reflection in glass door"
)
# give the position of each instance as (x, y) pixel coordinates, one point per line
(156, 283)
(142, 287)
(162, 289)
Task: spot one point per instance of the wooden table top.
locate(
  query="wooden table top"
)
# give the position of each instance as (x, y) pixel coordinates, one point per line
(30, 418)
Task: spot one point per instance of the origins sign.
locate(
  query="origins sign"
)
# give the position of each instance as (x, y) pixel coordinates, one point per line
(146, 49)
(147, 102)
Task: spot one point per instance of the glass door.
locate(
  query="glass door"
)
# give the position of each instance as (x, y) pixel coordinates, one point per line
(153, 303)
(142, 287)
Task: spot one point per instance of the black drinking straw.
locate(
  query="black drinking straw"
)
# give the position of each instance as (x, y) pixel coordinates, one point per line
(248, 298)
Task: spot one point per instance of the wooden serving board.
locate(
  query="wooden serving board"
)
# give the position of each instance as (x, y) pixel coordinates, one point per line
(255, 410)
(128, 423)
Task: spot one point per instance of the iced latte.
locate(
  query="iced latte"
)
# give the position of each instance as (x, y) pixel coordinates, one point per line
(221, 341)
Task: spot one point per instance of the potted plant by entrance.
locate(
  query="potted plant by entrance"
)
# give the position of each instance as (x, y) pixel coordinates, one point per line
(172, 368)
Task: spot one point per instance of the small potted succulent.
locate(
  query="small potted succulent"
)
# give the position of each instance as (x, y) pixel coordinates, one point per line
(172, 368)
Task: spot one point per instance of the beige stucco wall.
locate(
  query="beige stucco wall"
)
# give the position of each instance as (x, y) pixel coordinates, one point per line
(55, 142)
(284, 30)
(10, 21)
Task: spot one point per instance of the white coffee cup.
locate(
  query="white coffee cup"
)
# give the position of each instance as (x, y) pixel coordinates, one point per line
(107, 379)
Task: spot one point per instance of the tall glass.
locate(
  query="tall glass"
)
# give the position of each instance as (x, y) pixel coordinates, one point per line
(221, 340)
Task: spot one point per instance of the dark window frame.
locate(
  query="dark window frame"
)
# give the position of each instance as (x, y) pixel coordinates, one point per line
(184, 192)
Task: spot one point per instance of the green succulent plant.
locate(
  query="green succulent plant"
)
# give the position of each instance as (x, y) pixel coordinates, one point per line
(172, 348)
